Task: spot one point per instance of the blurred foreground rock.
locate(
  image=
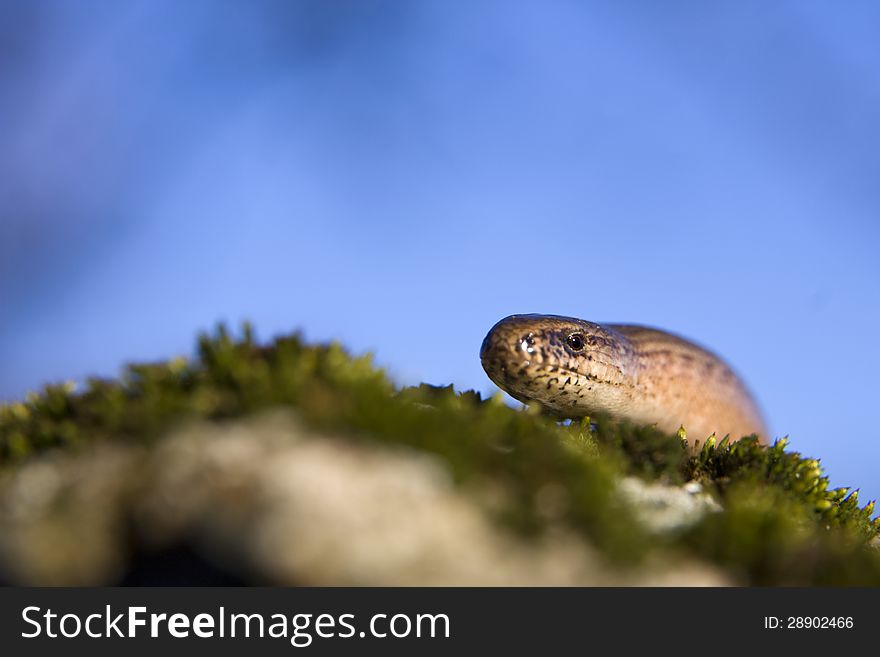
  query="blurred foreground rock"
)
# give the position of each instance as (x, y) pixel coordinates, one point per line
(265, 501)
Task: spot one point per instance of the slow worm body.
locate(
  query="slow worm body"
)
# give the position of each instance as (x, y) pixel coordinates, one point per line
(575, 368)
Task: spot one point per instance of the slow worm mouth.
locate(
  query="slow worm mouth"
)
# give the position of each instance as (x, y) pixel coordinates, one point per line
(528, 379)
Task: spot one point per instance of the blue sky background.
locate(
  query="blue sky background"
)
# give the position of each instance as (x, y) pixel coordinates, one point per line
(400, 175)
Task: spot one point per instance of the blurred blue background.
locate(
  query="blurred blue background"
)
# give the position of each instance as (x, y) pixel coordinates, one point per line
(400, 175)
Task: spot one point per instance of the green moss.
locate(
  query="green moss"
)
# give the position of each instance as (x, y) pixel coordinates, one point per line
(780, 525)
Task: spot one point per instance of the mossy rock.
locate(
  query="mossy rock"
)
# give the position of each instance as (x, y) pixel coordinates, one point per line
(778, 523)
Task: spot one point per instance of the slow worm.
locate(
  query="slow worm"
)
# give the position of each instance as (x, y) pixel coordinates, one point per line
(575, 368)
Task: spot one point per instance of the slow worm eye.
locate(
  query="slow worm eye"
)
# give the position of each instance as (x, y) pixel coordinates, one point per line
(575, 342)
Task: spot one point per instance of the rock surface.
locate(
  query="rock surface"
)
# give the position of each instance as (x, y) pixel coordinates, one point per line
(268, 501)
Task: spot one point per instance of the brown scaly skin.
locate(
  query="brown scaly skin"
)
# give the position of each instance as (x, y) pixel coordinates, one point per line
(575, 368)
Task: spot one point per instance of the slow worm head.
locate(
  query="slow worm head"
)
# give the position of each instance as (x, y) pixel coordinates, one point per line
(575, 368)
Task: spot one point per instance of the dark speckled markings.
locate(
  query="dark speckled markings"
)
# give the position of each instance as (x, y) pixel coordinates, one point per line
(575, 368)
